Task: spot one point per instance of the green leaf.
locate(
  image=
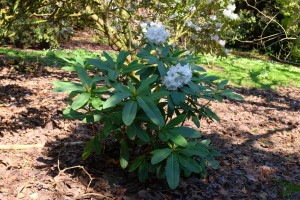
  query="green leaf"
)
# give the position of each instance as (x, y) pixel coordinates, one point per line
(161, 68)
(133, 67)
(100, 90)
(146, 83)
(196, 120)
(122, 57)
(88, 149)
(151, 110)
(195, 150)
(159, 155)
(109, 60)
(83, 76)
(158, 95)
(136, 163)
(211, 114)
(96, 103)
(186, 132)
(97, 144)
(234, 96)
(129, 112)
(222, 84)
(172, 171)
(113, 74)
(175, 97)
(174, 122)
(92, 118)
(131, 131)
(102, 66)
(80, 101)
(143, 171)
(124, 154)
(63, 86)
(177, 138)
(69, 113)
(213, 163)
(108, 127)
(189, 163)
(163, 136)
(115, 99)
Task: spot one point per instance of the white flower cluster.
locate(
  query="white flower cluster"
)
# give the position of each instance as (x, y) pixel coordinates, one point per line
(228, 12)
(155, 32)
(217, 39)
(177, 76)
(195, 26)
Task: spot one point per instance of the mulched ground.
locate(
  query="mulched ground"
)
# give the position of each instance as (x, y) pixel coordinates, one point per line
(259, 139)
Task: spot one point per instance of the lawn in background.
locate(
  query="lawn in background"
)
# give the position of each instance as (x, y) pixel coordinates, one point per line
(251, 72)
(243, 71)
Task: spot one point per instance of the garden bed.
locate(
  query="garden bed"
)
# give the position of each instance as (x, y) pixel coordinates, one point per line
(259, 139)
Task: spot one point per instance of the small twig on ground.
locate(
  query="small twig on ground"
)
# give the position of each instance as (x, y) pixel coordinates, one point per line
(91, 194)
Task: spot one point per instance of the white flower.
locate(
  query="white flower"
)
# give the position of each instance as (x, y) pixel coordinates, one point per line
(213, 17)
(231, 7)
(177, 76)
(190, 23)
(228, 13)
(155, 33)
(173, 16)
(222, 42)
(226, 51)
(214, 37)
(197, 28)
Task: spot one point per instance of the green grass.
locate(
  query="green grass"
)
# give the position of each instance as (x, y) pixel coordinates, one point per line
(243, 71)
(46, 57)
(252, 72)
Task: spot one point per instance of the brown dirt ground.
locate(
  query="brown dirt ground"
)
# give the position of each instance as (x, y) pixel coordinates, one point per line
(259, 139)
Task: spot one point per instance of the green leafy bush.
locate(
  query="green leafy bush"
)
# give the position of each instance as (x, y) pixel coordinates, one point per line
(144, 103)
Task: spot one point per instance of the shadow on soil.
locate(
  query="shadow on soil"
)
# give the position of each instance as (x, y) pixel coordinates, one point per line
(246, 171)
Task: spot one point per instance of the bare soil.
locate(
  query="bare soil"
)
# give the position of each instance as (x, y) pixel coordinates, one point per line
(259, 139)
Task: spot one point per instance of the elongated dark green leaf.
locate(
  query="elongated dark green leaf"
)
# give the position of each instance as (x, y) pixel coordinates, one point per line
(122, 57)
(174, 122)
(96, 103)
(131, 131)
(158, 95)
(80, 101)
(92, 118)
(124, 154)
(142, 134)
(222, 84)
(62, 86)
(108, 126)
(88, 149)
(143, 171)
(159, 155)
(211, 114)
(109, 60)
(102, 66)
(175, 97)
(186, 132)
(161, 68)
(115, 99)
(196, 120)
(213, 163)
(100, 90)
(136, 163)
(129, 112)
(145, 83)
(97, 144)
(234, 96)
(172, 171)
(189, 163)
(195, 150)
(177, 138)
(163, 136)
(83, 76)
(133, 67)
(151, 110)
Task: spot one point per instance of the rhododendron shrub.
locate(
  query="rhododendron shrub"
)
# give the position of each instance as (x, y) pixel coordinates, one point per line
(143, 106)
